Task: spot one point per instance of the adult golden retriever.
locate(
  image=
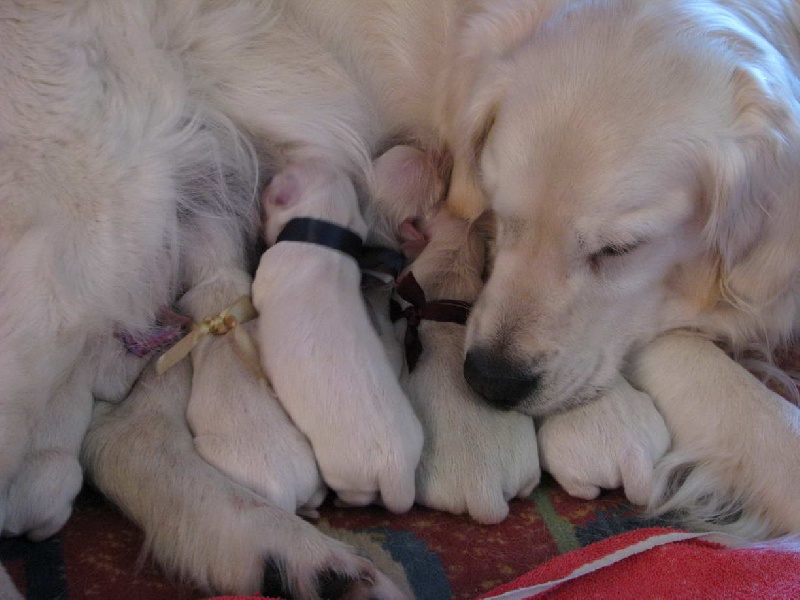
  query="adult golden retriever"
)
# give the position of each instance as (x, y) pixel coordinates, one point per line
(640, 156)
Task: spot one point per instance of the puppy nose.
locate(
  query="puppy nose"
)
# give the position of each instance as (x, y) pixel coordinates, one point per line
(500, 381)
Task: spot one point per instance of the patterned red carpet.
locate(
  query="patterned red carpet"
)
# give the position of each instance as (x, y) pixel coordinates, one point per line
(441, 556)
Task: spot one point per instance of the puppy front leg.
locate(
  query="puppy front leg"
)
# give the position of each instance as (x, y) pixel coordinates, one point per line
(736, 445)
(610, 442)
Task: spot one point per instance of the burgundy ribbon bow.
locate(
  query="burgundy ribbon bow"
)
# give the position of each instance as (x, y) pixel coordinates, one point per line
(443, 311)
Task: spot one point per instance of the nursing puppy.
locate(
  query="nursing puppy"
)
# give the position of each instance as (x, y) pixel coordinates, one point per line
(611, 442)
(244, 431)
(475, 457)
(313, 331)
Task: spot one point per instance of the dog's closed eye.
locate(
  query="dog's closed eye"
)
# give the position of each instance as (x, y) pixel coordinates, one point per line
(611, 251)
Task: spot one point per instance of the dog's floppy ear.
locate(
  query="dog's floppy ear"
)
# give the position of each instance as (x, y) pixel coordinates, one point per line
(465, 195)
(475, 86)
(750, 167)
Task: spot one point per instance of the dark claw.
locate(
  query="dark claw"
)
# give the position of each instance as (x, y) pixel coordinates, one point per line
(332, 585)
(273, 584)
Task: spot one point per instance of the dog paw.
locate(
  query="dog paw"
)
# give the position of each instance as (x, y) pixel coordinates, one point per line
(40, 497)
(300, 561)
(476, 460)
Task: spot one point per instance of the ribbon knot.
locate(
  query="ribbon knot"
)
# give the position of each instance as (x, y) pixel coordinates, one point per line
(223, 323)
(418, 310)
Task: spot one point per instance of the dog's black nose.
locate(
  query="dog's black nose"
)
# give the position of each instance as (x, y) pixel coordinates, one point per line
(500, 381)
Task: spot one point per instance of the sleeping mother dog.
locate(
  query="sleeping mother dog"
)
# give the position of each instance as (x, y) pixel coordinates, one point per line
(641, 158)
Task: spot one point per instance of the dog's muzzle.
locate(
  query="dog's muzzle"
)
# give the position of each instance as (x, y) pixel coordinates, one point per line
(501, 382)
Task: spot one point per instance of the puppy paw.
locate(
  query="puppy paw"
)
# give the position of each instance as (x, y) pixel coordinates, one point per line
(609, 443)
(393, 483)
(476, 459)
(577, 489)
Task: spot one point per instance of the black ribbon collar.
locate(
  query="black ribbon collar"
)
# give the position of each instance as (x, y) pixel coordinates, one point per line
(322, 233)
(419, 309)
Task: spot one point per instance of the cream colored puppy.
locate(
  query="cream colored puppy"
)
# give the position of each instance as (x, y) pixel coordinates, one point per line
(321, 352)
(244, 431)
(611, 442)
(475, 457)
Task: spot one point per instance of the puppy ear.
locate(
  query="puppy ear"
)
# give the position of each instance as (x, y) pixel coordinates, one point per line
(749, 169)
(282, 192)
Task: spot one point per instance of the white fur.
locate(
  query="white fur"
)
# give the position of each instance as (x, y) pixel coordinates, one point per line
(678, 146)
(612, 442)
(133, 139)
(476, 457)
(240, 427)
(735, 443)
(321, 353)
(144, 455)
(134, 134)
(644, 173)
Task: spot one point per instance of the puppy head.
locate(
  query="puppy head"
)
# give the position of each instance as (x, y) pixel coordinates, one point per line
(311, 188)
(452, 263)
(406, 185)
(625, 154)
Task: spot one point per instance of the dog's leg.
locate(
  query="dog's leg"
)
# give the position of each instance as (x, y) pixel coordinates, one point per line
(41, 495)
(736, 445)
(201, 525)
(36, 359)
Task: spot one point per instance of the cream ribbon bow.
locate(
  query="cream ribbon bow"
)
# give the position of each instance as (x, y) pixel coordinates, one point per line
(227, 321)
